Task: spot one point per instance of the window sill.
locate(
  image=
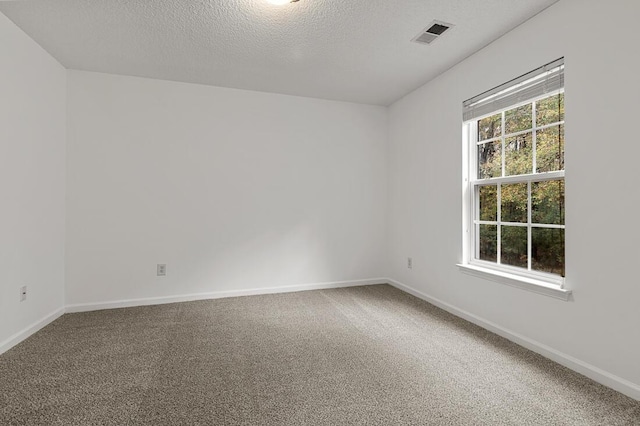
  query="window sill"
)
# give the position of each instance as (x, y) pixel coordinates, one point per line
(513, 280)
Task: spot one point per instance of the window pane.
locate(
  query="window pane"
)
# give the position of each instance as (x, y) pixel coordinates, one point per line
(550, 110)
(550, 149)
(489, 160)
(490, 127)
(518, 155)
(488, 202)
(488, 243)
(518, 119)
(547, 202)
(547, 250)
(513, 250)
(514, 203)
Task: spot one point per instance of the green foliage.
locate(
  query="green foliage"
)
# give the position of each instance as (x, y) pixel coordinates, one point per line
(547, 202)
(550, 141)
(490, 127)
(550, 110)
(518, 155)
(518, 119)
(490, 160)
(514, 202)
(488, 202)
(547, 197)
(488, 242)
(513, 249)
(547, 250)
(550, 149)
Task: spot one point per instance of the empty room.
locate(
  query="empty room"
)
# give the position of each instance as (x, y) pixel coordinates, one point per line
(319, 212)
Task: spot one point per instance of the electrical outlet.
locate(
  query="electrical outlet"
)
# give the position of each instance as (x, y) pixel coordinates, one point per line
(23, 293)
(161, 270)
(409, 263)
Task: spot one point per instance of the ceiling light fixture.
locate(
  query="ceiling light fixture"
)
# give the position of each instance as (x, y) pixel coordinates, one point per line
(281, 2)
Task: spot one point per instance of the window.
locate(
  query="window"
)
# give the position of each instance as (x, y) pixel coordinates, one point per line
(514, 182)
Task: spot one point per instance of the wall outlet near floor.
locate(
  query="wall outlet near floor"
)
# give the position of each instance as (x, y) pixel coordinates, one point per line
(409, 263)
(161, 270)
(23, 293)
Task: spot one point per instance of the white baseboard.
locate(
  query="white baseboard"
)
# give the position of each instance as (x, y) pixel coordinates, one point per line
(84, 307)
(28, 331)
(603, 377)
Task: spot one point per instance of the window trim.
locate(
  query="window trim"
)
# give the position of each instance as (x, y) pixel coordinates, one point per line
(518, 281)
(535, 281)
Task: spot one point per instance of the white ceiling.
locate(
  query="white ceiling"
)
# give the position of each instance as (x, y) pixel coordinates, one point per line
(350, 50)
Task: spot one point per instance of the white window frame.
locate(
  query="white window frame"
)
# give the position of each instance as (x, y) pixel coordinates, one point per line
(528, 279)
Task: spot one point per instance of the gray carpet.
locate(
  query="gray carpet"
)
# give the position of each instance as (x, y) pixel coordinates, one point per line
(355, 356)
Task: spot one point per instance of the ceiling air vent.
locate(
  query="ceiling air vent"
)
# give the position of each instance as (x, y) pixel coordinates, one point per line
(432, 32)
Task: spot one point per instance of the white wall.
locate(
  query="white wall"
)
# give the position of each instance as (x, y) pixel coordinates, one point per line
(32, 182)
(231, 189)
(601, 325)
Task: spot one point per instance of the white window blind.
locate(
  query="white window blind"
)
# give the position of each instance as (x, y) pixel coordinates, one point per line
(546, 79)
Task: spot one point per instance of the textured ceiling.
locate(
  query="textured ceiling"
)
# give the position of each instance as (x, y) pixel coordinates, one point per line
(351, 50)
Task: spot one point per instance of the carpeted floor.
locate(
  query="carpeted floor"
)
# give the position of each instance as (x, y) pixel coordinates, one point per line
(354, 356)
